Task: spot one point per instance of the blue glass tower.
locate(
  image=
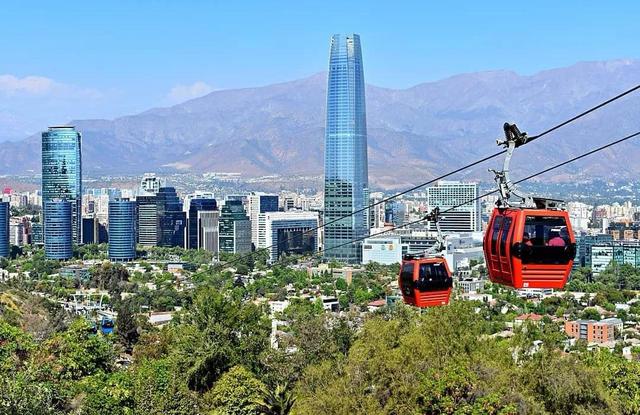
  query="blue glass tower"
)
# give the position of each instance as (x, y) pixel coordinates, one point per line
(172, 221)
(62, 172)
(4, 230)
(57, 229)
(122, 230)
(346, 177)
(195, 206)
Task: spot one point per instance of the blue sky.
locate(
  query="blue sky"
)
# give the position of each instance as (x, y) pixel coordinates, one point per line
(77, 59)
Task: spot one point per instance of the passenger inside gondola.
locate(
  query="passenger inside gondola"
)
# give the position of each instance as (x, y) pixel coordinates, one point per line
(555, 239)
(544, 240)
(432, 277)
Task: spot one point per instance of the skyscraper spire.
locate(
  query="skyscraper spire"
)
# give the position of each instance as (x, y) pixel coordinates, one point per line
(346, 183)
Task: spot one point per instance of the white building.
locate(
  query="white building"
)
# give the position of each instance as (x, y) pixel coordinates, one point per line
(258, 203)
(208, 222)
(448, 194)
(384, 250)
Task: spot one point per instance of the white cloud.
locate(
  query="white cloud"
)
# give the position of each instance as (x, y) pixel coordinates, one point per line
(181, 93)
(33, 85)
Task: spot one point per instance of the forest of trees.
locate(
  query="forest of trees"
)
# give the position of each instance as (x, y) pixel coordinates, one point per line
(215, 358)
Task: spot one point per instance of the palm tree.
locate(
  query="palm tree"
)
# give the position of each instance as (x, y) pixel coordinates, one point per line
(278, 401)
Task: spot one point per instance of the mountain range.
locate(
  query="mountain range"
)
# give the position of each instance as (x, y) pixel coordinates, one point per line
(414, 134)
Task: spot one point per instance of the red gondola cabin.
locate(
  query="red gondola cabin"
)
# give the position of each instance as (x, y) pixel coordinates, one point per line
(529, 248)
(425, 282)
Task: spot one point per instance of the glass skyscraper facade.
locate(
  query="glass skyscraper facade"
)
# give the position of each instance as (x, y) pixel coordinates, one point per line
(122, 230)
(58, 242)
(195, 206)
(62, 172)
(4, 230)
(172, 220)
(147, 226)
(346, 177)
(234, 234)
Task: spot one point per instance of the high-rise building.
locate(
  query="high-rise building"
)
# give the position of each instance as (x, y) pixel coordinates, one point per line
(197, 205)
(5, 214)
(448, 194)
(208, 222)
(258, 203)
(346, 180)
(147, 220)
(234, 228)
(37, 233)
(287, 232)
(62, 172)
(58, 240)
(122, 230)
(150, 183)
(172, 220)
(94, 232)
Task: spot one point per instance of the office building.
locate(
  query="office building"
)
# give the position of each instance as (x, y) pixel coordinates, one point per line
(5, 214)
(614, 252)
(37, 233)
(385, 250)
(292, 232)
(147, 220)
(234, 233)
(150, 183)
(197, 205)
(172, 220)
(208, 222)
(258, 203)
(395, 212)
(584, 245)
(122, 230)
(58, 239)
(62, 172)
(346, 177)
(94, 232)
(17, 233)
(448, 194)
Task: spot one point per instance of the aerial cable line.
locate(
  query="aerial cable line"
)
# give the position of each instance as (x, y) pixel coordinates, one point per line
(458, 170)
(595, 150)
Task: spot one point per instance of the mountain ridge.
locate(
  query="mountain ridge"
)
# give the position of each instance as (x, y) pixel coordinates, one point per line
(421, 131)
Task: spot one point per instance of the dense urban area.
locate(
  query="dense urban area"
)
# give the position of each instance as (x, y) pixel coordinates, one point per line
(217, 293)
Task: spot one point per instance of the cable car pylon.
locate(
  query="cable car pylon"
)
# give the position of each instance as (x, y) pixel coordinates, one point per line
(529, 242)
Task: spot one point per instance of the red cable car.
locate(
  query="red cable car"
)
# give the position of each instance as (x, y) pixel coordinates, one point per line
(529, 242)
(425, 280)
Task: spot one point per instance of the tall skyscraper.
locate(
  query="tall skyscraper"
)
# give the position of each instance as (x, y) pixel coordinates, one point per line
(258, 203)
(122, 230)
(197, 205)
(448, 194)
(147, 222)
(346, 177)
(208, 222)
(172, 220)
(58, 242)
(4, 229)
(234, 228)
(62, 172)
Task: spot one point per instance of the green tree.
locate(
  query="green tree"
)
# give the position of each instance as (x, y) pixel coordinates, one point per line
(236, 393)
(127, 326)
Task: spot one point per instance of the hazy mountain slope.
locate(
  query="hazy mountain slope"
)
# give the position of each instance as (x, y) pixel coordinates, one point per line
(414, 133)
